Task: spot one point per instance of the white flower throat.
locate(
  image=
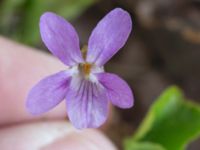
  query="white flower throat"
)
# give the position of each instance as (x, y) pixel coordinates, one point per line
(86, 70)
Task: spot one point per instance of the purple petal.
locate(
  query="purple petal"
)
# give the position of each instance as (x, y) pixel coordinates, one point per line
(118, 91)
(48, 93)
(87, 104)
(109, 36)
(60, 38)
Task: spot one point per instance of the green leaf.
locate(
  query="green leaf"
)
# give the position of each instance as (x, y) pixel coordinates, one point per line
(143, 146)
(171, 122)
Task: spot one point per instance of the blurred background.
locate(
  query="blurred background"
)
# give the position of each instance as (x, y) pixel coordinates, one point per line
(163, 49)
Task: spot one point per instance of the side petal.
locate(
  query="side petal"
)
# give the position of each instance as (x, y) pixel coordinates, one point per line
(118, 91)
(60, 38)
(48, 93)
(109, 36)
(87, 105)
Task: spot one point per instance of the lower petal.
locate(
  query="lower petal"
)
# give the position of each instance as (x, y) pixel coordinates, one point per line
(118, 91)
(87, 106)
(48, 93)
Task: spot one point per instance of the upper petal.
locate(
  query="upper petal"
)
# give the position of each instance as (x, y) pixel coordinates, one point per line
(118, 91)
(87, 104)
(48, 92)
(60, 38)
(109, 36)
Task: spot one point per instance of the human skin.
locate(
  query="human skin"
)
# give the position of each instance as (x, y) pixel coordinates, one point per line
(20, 68)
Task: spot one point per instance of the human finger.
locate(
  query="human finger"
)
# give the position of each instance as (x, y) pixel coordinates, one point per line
(20, 68)
(52, 136)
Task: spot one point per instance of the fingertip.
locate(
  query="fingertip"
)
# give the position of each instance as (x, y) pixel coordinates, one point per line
(52, 135)
(89, 139)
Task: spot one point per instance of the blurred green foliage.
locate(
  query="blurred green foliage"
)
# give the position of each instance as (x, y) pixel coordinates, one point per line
(171, 123)
(20, 18)
(143, 146)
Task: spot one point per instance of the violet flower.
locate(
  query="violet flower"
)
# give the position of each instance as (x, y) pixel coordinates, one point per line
(86, 88)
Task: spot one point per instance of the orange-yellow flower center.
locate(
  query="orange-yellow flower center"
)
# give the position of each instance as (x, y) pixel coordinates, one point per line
(87, 68)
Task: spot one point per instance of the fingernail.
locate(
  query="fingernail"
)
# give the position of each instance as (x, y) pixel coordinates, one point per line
(89, 139)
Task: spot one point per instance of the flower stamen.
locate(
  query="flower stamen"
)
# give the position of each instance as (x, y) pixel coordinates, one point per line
(87, 68)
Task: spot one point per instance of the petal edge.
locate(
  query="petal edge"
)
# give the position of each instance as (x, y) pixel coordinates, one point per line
(109, 36)
(47, 93)
(60, 38)
(118, 91)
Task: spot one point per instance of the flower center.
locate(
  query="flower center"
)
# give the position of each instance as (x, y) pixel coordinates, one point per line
(86, 68)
